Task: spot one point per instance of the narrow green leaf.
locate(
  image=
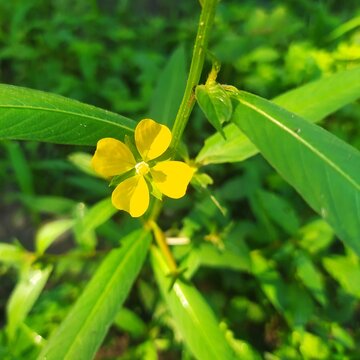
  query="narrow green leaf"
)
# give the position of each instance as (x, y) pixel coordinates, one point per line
(82, 161)
(49, 204)
(279, 210)
(87, 220)
(99, 213)
(313, 101)
(208, 255)
(23, 297)
(49, 232)
(13, 255)
(321, 167)
(27, 114)
(345, 28)
(318, 99)
(192, 314)
(21, 167)
(311, 277)
(169, 89)
(83, 330)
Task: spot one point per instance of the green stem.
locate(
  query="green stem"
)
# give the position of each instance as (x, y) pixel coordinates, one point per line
(202, 38)
(164, 248)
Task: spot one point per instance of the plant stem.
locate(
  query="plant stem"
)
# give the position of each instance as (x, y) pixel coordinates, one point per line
(205, 23)
(164, 247)
(202, 38)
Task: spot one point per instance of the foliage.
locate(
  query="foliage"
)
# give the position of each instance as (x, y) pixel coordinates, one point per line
(260, 259)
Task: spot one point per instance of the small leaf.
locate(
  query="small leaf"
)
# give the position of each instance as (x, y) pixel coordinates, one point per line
(83, 330)
(311, 277)
(49, 232)
(215, 104)
(83, 162)
(128, 321)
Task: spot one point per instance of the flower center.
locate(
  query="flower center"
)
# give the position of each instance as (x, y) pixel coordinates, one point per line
(142, 168)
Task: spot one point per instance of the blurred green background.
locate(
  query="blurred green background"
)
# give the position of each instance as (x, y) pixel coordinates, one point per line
(110, 54)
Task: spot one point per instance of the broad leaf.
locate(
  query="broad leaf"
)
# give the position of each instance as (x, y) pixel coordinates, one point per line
(321, 167)
(313, 101)
(169, 89)
(27, 114)
(83, 330)
(192, 314)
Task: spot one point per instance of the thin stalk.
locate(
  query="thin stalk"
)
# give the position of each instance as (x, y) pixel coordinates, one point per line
(163, 246)
(202, 38)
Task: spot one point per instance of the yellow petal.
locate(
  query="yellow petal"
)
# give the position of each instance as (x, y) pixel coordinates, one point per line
(132, 195)
(151, 138)
(112, 157)
(172, 177)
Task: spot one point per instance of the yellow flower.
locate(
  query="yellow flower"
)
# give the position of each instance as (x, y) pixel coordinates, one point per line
(112, 157)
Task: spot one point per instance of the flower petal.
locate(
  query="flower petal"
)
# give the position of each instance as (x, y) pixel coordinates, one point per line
(152, 139)
(172, 177)
(132, 195)
(112, 157)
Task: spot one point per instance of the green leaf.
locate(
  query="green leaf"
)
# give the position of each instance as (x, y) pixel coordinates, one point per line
(82, 161)
(310, 276)
(130, 322)
(210, 256)
(13, 255)
(316, 236)
(49, 204)
(345, 28)
(192, 314)
(49, 232)
(235, 147)
(313, 101)
(312, 346)
(169, 89)
(289, 300)
(21, 167)
(23, 297)
(215, 103)
(27, 114)
(322, 168)
(279, 210)
(98, 214)
(83, 330)
(346, 271)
